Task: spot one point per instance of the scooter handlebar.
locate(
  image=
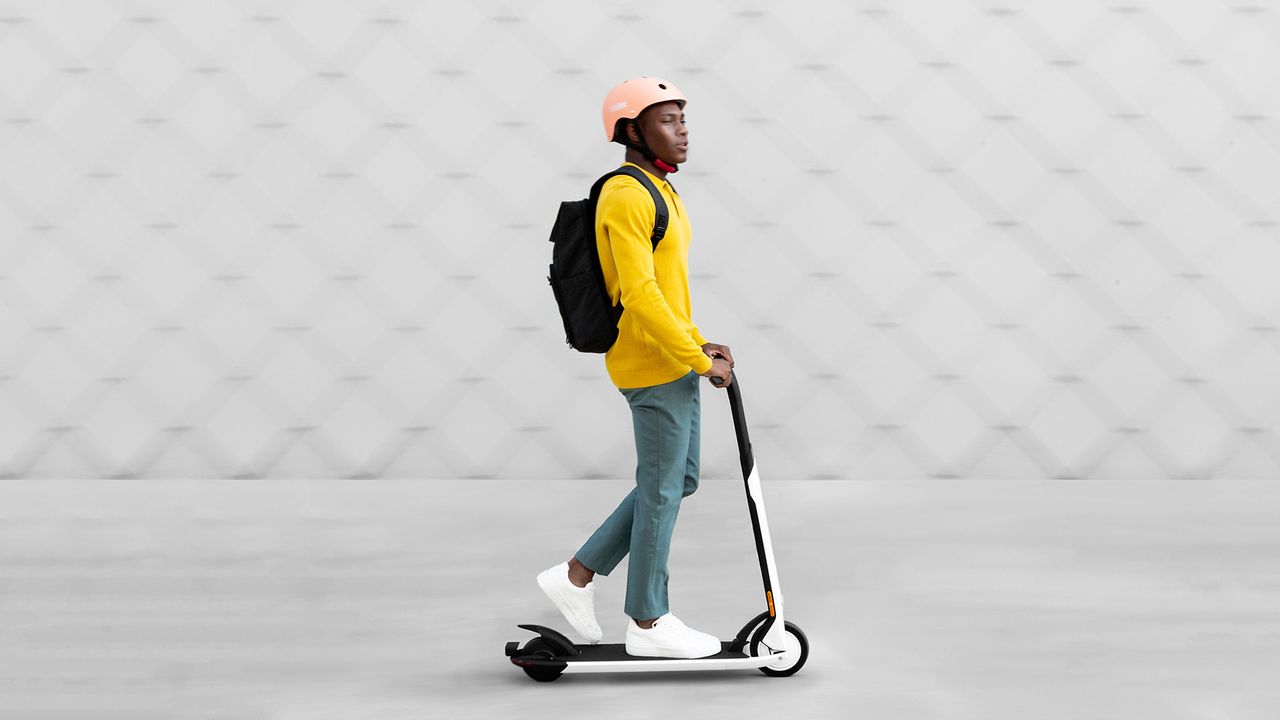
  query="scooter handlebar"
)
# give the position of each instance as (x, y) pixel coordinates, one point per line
(719, 382)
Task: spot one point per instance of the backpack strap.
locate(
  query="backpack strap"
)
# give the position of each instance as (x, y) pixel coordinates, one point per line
(659, 204)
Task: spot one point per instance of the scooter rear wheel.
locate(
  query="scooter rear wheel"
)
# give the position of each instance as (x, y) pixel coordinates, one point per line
(540, 648)
(797, 647)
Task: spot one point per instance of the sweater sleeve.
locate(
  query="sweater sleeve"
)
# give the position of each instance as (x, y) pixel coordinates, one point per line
(698, 338)
(627, 213)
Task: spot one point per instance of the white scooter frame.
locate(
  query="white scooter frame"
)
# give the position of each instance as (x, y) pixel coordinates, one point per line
(768, 642)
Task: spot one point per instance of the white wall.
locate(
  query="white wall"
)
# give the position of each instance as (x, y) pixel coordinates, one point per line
(944, 238)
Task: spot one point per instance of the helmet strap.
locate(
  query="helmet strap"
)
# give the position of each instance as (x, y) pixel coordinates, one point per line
(648, 154)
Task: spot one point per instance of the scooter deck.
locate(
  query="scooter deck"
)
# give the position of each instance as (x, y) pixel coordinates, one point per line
(618, 652)
(614, 658)
(574, 658)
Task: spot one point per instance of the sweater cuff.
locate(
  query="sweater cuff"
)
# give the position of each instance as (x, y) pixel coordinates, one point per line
(703, 366)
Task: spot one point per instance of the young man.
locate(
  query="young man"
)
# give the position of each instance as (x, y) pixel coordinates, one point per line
(655, 363)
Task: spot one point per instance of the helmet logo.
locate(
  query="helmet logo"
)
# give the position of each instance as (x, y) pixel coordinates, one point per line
(617, 106)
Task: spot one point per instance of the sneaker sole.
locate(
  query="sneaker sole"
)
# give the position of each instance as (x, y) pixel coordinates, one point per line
(657, 653)
(652, 651)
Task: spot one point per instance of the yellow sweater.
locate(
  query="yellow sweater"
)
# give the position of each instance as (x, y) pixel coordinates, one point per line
(657, 340)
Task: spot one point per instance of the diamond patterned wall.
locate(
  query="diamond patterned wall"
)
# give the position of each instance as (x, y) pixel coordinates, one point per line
(946, 239)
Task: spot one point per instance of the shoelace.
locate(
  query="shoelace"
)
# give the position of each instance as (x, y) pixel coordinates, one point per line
(672, 621)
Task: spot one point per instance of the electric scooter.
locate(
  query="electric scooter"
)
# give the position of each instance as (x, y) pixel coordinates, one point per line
(768, 642)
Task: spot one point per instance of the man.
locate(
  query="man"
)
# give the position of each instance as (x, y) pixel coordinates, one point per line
(655, 363)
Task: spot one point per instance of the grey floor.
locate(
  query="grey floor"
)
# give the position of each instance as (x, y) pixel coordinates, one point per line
(393, 599)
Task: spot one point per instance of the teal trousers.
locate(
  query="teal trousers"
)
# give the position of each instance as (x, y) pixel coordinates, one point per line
(666, 421)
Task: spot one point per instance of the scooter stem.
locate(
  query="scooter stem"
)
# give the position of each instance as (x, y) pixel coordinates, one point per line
(774, 637)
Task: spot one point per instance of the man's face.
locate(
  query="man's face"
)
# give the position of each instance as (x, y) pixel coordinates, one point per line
(664, 129)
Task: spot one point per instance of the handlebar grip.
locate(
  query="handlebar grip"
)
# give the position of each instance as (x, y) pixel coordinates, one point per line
(715, 380)
(720, 383)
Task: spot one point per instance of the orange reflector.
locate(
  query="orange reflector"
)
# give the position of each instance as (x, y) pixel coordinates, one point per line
(768, 595)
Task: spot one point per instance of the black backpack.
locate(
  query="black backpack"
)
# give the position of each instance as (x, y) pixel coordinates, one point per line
(590, 317)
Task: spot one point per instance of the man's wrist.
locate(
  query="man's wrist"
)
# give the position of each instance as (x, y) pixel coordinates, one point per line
(706, 367)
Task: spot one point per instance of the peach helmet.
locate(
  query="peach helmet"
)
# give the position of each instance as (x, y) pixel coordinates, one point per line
(631, 97)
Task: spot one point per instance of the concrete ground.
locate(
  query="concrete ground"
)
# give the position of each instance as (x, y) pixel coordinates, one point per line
(393, 599)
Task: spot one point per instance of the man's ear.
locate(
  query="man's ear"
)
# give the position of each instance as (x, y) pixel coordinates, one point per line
(633, 133)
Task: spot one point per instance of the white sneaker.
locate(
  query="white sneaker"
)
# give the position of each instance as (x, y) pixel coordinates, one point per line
(669, 638)
(575, 603)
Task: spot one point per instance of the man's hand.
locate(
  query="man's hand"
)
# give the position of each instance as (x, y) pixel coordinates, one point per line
(721, 363)
(715, 350)
(720, 368)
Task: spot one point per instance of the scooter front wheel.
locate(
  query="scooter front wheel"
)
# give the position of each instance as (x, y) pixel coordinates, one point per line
(796, 645)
